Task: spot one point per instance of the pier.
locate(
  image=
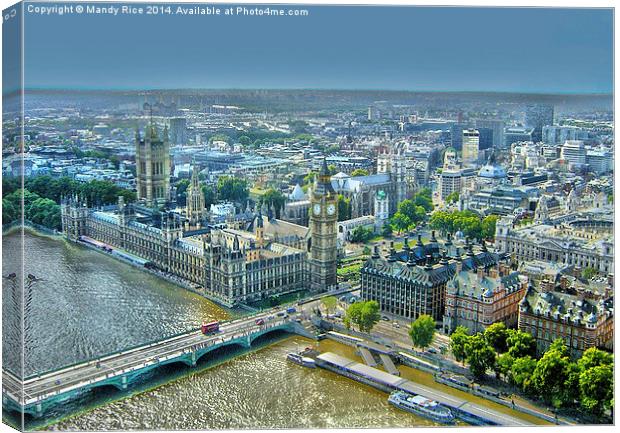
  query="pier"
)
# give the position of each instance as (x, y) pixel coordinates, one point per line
(469, 412)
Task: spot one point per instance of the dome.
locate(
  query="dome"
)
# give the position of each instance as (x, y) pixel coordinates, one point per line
(492, 172)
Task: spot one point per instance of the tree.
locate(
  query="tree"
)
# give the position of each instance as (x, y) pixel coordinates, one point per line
(550, 375)
(181, 187)
(453, 197)
(496, 335)
(503, 366)
(332, 169)
(364, 314)
(520, 344)
(362, 235)
(424, 198)
(488, 226)
(329, 302)
(594, 357)
(480, 355)
(210, 194)
(401, 222)
(458, 341)
(232, 189)
(422, 331)
(386, 231)
(359, 172)
(588, 273)
(521, 371)
(344, 208)
(309, 178)
(273, 198)
(596, 385)
(9, 211)
(219, 137)
(245, 141)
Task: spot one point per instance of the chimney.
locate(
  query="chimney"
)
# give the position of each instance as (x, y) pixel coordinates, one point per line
(494, 272)
(564, 283)
(480, 272)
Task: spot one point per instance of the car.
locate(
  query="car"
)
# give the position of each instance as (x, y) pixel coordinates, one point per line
(269, 317)
(396, 325)
(281, 314)
(260, 322)
(298, 320)
(385, 318)
(432, 350)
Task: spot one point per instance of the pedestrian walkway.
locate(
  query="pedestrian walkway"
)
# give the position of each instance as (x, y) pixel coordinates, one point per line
(389, 365)
(367, 357)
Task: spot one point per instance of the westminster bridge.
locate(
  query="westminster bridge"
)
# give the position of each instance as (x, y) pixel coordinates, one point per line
(35, 394)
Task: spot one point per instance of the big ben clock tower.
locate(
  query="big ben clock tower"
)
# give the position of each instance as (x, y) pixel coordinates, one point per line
(323, 232)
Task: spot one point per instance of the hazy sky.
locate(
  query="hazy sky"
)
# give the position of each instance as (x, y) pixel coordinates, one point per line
(405, 48)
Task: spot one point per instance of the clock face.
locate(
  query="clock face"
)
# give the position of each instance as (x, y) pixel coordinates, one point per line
(331, 209)
(317, 209)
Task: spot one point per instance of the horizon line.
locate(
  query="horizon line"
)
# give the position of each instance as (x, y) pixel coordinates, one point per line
(322, 89)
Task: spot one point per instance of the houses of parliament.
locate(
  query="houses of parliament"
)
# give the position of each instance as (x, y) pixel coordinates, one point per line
(249, 259)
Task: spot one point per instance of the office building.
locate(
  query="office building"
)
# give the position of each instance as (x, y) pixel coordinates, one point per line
(471, 146)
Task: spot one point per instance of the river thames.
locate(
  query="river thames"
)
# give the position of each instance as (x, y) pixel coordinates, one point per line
(89, 304)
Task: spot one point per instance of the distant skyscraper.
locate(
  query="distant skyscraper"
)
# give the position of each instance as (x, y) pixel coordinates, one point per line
(153, 166)
(574, 152)
(495, 125)
(471, 146)
(538, 116)
(178, 131)
(486, 138)
(456, 133)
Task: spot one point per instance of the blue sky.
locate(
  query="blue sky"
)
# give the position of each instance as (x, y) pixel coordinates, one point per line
(395, 48)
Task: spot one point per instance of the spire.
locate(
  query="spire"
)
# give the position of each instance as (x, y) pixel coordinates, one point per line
(375, 252)
(236, 244)
(324, 168)
(420, 243)
(392, 256)
(406, 244)
(411, 259)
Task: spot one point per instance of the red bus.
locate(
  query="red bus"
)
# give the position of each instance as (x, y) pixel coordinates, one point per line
(210, 328)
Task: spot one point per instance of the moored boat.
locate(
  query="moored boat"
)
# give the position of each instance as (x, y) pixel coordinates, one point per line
(301, 360)
(421, 406)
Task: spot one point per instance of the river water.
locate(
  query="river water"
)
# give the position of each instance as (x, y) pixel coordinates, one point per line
(92, 304)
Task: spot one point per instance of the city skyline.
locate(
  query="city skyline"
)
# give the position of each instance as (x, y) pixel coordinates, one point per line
(424, 49)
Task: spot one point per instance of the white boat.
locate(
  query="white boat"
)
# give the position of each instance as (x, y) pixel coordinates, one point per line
(421, 406)
(301, 360)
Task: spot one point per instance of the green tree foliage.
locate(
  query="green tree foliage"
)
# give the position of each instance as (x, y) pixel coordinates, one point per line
(309, 178)
(386, 231)
(488, 226)
(520, 344)
(362, 235)
(245, 141)
(503, 365)
(232, 189)
(400, 222)
(458, 341)
(496, 335)
(219, 137)
(273, 198)
(596, 385)
(10, 212)
(470, 223)
(424, 198)
(521, 371)
(588, 272)
(359, 172)
(329, 302)
(45, 212)
(332, 169)
(210, 194)
(480, 355)
(594, 357)
(453, 197)
(181, 187)
(365, 315)
(551, 374)
(344, 208)
(422, 331)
